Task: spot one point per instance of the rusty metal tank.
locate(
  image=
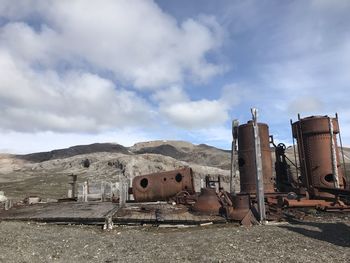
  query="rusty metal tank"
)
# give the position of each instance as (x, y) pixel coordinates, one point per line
(240, 207)
(208, 202)
(314, 149)
(246, 158)
(162, 186)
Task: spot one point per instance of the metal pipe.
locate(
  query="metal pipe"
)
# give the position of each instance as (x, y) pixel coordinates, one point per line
(333, 154)
(233, 173)
(295, 153)
(258, 162)
(341, 146)
(301, 150)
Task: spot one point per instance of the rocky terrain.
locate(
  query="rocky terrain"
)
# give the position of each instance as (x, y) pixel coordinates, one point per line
(321, 237)
(46, 174)
(307, 241)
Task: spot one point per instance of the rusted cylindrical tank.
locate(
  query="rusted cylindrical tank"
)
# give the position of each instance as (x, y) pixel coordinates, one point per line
(240, 207)
(315, 153)
(246, 158)
(208, 202)
(162, 186)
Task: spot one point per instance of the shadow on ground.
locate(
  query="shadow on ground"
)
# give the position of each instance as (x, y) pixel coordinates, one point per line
(337, 233)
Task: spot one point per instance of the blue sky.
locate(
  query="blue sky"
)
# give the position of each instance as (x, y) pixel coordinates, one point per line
(79, 72)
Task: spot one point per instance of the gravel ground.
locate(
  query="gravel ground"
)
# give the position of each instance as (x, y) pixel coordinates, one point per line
(294, 242)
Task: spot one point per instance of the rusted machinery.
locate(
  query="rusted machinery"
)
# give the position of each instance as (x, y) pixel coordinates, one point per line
(246, 158)
(162, 186)
(233, 207)
(178, 186)
(318, 170)
(208, 202)
(320, 185)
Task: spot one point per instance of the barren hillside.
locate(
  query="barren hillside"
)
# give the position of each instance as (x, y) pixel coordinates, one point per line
(46, 173)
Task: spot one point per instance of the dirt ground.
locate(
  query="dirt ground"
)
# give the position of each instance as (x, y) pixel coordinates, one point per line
(307, 241)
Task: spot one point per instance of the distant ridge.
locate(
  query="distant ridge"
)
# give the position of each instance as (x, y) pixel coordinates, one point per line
(183, 151)
(73, 151)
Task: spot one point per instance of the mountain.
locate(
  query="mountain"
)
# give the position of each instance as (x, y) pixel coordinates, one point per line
(46, 173)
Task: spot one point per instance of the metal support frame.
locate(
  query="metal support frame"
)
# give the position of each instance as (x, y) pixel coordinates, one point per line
(333, 154)
(259, 173)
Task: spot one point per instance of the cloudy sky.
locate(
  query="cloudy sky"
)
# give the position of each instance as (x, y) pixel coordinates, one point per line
(79, 72)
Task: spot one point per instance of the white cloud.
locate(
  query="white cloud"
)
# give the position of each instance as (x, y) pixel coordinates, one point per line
(196, 114)
(174, 94)
(60, 61)
(305, 105)
(73, 101)
(178, 109)
(134, 39)
(20, 143)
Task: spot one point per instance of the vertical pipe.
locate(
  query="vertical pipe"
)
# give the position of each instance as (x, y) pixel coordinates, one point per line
(258, 162)
(295, 153)
(333, 154)
(233, 174)
(341, 146)
(301, 150)
(232, 187)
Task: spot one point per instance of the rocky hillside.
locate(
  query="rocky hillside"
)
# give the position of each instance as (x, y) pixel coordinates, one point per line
(184, 151)
(46, 173)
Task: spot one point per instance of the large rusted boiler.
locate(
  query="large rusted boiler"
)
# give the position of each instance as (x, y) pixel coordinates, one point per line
(162, 186)
(315, 154)
(246, 158)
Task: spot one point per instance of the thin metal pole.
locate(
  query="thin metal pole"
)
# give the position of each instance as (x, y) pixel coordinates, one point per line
(233, 173)
(295, 153)
(302, 159)
(341, 146)
(258, 162)
(333, 154)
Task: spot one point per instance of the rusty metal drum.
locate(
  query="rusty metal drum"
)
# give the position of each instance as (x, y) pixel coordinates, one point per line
(162, 186)
(208, 202)
(246, 158)
(314, 148)
(240, 207)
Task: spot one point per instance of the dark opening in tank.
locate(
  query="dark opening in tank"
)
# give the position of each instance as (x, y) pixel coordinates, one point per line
(329, 178)
(241, 162)
(144, 182)
(178, 177)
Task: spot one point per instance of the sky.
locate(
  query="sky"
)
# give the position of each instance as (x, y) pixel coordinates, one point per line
(125, 71)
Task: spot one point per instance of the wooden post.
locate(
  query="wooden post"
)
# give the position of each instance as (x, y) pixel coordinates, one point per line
(74, 185)
(8, 204)
(122, 192)
(102, 191)
(85, 191)
(258, 163)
